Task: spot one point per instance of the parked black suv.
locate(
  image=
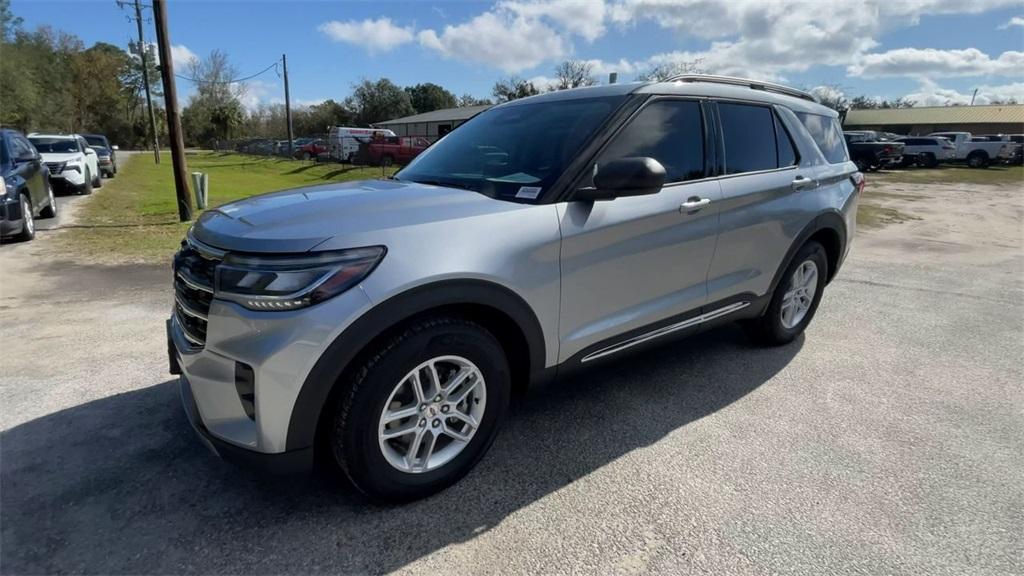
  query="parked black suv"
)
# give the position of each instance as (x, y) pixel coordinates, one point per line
(106, 154)
(24, 187)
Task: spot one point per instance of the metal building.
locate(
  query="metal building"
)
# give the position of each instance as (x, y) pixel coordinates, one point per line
(432, 125)
(989, 119)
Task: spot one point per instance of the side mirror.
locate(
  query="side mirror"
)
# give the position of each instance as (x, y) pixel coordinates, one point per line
(115, 147)
(634, 176)
(90, 152)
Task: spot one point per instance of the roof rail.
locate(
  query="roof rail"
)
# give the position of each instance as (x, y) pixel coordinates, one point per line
(752, 84)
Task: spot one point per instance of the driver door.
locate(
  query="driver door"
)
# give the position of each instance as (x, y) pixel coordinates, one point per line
(633, 265)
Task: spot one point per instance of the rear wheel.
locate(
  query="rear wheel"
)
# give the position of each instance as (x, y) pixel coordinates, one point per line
(307, 156)
(928, 160)
(977, 160)
(795, 299)
(51, 207)
(422, 409)
(28, 222)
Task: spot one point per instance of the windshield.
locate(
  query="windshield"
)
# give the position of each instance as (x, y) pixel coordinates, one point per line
(515, 152)
(96, 141)
(54, 145)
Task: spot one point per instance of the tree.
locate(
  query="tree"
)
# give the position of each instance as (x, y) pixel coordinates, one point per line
(316, 119)
(378, 101)
(9, 23)
(470, 100)
(831, 95)
(864, 102)
(429, 97)
(513, 88)
(666, 70)
(215, 111)
(574, 74)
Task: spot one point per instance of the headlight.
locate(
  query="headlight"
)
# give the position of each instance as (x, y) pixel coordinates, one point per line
(288, 283)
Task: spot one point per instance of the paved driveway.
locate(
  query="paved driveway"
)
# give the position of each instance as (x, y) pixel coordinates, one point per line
(889, 440)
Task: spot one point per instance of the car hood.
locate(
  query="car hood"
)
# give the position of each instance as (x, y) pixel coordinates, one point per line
(61, 157)
(301, 219)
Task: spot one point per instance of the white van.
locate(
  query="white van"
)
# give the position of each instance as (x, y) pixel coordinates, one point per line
(343, 142)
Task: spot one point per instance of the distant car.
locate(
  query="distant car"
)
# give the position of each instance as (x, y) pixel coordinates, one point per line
(927, 151)
(396, 150)
(976, 153)
(870, 151)
(107, 154)
(310, 150)
(71, 161)
(24, 187)
(1016, 141)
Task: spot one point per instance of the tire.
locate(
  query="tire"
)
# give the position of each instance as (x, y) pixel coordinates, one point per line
(928, 160)
(51, 208)
(97, 181)
(86, 188)
(977, 160)
(387, 161)
(862, 166)
(307, 156)
(28, 223)
(384, 380)
(772, 329)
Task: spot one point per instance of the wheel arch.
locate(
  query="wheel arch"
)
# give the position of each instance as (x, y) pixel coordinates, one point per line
(828, 229)
(495, 307)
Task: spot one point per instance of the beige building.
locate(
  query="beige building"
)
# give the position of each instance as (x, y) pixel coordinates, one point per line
(990, 119)
(432, 125)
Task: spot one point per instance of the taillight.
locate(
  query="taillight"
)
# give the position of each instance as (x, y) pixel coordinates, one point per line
(858, 182)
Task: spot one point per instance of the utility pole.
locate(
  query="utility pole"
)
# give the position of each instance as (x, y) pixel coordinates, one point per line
(163, 42)
(143, 51)
(973, 96)
(287, 105)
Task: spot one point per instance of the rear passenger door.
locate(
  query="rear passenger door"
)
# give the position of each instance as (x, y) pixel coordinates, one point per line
(763, 180)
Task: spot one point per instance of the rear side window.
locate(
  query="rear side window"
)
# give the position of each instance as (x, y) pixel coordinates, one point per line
(749, 135)
(786, 151)
(826, 134)
(671, 132)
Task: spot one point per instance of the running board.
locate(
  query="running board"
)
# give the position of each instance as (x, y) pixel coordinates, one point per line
(664, 331)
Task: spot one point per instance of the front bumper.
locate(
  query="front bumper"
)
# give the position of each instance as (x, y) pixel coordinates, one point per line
(69, 177)
(11, 218)
(284, 463)
(278, 350)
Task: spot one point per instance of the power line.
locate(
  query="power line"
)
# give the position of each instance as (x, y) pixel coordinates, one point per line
(198, 81)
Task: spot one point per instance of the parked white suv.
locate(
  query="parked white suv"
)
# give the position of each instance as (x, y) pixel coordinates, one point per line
(70, 159)
(927, 151)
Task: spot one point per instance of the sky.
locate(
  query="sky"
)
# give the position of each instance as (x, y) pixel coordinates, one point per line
(935, 52)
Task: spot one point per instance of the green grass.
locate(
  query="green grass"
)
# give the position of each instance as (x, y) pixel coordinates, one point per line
(134, 217)
(952, 174)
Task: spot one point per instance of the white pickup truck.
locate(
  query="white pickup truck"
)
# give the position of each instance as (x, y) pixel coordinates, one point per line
(976, 154)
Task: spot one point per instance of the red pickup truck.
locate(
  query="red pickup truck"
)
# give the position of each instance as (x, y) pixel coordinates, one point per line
(395, 149)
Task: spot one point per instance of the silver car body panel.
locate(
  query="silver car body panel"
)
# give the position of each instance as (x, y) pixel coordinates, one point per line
(593, 273)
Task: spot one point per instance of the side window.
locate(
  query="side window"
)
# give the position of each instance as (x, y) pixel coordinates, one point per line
(20, 150)
(826, 134)
(749, 134)
(787, 153)
(671, 132)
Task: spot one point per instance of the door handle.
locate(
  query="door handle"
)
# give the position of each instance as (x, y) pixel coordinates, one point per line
(694, 204)
(801, 183)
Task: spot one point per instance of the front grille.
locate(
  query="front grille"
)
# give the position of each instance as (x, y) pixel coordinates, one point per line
(55, 167)
(193, 291)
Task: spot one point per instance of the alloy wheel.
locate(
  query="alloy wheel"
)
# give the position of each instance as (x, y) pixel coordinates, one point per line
(432, 414)
(796, 302)
(26, 212)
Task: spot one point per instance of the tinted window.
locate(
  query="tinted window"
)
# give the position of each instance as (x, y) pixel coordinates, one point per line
(826, 134)
(749, 134)
(515, 151)
(671, 132)
(21, 149)
(56, 145)
(787, 154)
(96, 141)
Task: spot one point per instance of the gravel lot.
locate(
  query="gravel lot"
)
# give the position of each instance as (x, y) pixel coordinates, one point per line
(889, 440)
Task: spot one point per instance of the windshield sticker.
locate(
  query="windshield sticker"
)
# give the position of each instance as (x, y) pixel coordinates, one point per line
(528, 192)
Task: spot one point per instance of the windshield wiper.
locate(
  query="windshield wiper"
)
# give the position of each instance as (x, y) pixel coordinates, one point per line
(445, 183)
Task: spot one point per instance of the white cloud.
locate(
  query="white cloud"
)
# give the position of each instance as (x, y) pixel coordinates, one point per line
(543, 83)
(181, 56)
(252, 93)
(768, 39)
(582, 17)
(1015, 21)
(931, 94)
(499, 39)
(932, 63)
(379, 35)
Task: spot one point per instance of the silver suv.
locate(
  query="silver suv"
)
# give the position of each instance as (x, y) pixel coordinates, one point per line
(383, 326)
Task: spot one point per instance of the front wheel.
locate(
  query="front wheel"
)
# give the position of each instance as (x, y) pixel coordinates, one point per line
(97, 180)
(28, 223)
(51, 207)
(86, 187)
(795, 299)
(421, 410)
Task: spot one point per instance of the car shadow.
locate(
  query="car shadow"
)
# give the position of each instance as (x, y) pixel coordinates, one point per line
(121, 485)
